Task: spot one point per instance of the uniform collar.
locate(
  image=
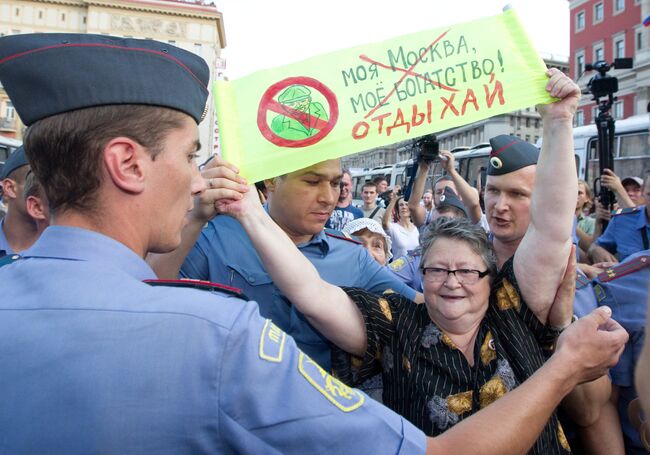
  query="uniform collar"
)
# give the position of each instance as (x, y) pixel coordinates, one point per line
(320, 240)
(76, 244)
(642, 221)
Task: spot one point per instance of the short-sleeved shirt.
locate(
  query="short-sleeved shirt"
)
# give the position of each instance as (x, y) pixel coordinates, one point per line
(429, 381)
(342, 216)
(586, 224)
(5, 248)
(378, 213)
(225, 254)
(96, 361)
(624, 233)
(407, 269)
(625, 289)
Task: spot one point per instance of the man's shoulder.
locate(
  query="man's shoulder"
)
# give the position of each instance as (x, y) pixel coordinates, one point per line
(627, 211)
(336, 236)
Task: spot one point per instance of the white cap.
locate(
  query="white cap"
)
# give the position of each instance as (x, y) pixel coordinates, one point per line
(373, 226)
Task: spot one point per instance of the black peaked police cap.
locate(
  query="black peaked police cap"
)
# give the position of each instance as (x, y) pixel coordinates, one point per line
(510, 154)
(15, 161)
(46, 74)
(449, 198)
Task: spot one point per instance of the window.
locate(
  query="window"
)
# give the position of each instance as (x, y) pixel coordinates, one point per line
(619, 46)
(536, 125)
(579, 118)
(40, 14)
(580, 21)
(599, 11)
(619, 6)
(633, 145)
(17, 12)
(639, 39)
(580, 63)
(594, 113)
(63, 17)
(528, 138)
(599, 52)
(618, 110)
(527, 122)
(10, 112)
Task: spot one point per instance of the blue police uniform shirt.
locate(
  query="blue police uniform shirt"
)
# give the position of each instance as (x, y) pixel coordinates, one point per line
(224, 254)
(407, 269)
(624, 233)
(95, 360)
(5, 249)
(624, 288)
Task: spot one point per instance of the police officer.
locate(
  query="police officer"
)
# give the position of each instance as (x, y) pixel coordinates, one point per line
(627, 233)
(134, 368)
(300, 202)
(623, 288)
(18, 230)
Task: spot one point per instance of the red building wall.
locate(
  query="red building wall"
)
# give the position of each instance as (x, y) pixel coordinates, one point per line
(624, 22)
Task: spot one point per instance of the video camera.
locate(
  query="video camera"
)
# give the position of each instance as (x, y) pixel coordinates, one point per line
(602, 85)
(427, 148)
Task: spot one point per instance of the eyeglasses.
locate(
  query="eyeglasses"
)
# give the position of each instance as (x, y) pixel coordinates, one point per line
(463, 276)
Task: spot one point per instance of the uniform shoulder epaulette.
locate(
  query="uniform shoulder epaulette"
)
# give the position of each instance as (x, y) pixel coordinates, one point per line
(625, 268)
(582, 281)
(8, 259)
(342, 235)
(626, 211)
(199, 284)
(415, 252)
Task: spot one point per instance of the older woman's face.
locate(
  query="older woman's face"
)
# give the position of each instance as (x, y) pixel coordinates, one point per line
(375, 244)
(450, 303)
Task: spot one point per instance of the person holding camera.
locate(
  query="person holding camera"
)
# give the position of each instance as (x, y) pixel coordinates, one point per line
(397, 222)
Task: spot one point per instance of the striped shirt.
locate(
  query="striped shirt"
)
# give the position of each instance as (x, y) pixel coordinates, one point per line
(429, 381)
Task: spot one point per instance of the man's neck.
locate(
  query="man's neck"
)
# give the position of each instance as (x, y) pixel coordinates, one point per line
(504, 250)
(370, 206)
(21, 231)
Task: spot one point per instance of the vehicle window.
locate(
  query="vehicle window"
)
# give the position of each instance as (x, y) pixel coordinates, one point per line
(476, 166)
(634, 145)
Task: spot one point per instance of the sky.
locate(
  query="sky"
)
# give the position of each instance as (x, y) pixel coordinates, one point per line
(265, 34)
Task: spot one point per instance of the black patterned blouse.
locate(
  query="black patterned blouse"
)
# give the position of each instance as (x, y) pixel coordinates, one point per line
(428, 381)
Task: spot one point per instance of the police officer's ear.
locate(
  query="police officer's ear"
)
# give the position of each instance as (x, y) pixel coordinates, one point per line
(272, 184)
(35, 207)
(9, 188)
(127, 163)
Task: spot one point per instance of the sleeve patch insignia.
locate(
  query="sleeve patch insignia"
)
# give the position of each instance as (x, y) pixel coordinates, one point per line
(272, 342)
(398, 264)
(340, 395)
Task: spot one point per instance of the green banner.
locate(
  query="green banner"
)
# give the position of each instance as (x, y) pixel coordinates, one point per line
(279, 120)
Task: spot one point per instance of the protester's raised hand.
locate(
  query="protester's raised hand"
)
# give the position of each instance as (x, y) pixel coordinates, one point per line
(222, 183)
(591, 345)
(447, 160)
(560, 86)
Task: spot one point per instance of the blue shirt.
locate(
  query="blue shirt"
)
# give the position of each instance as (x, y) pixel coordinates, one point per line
(623, 235)
(407, 269)
(224, 254)
(94, 360)
(342, 216)
(624, 288)
(5, 249)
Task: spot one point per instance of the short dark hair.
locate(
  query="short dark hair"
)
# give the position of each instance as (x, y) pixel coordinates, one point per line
(380, 178)
(33, 187)
(65, 150)
(368, 185)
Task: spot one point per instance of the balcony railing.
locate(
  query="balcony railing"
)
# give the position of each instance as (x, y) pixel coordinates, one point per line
(8, 123)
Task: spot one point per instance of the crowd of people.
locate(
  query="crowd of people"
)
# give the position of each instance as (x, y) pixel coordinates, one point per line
(149, 306)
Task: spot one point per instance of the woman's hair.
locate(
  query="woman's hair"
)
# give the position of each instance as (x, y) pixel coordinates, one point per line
(396, 216)
(460, 229)
(588, 193)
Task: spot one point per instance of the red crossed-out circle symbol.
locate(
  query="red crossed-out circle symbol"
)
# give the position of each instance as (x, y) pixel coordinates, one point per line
(269, 103)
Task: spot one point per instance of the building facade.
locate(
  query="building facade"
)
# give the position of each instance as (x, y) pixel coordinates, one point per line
(193, 26)
(603, 30)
